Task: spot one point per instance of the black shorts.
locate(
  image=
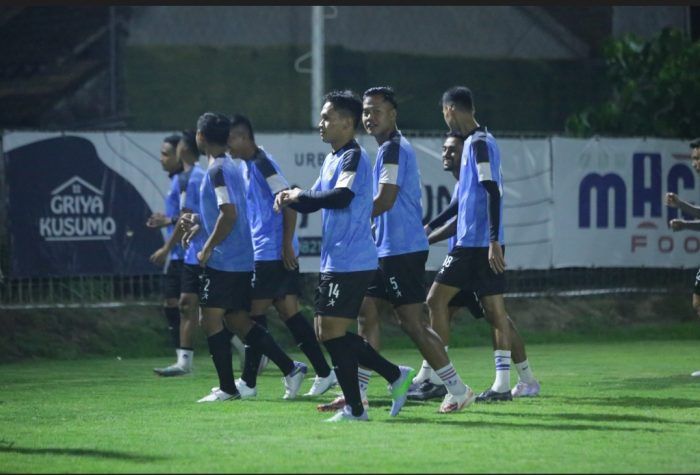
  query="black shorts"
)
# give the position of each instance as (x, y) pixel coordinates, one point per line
(272, 281)
(467, 268)
(190, 278)
(340, 294)
(399, 279)
(696, 289)
(173, 278)
(470, 301)
(227, 290)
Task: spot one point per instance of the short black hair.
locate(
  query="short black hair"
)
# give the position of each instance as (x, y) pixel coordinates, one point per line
(346, 102)
(460, 96)
(695, 143)
(386, 92)
(215, 127)
(172, 139)
(241, 120)
(189, 138)
(456, 135)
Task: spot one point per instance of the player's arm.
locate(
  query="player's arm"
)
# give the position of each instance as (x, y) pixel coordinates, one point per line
(277, 184)
(224, 222)
(447, 214)
(308, 201)
(486, 176)
(445, 231)
(289, 224)
(681, 224)
(674, 201)
(159, 220)
(389, 178)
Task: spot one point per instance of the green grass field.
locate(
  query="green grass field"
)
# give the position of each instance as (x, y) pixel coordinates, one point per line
(605, 407)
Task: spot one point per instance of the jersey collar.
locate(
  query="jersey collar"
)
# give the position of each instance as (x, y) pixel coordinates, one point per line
(351, 144)
(481, 128)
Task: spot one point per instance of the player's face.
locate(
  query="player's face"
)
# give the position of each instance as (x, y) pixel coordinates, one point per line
(239, 141)
(332, 125)
(695, 156)
(451, 153)
(378, 116)
(168, 157)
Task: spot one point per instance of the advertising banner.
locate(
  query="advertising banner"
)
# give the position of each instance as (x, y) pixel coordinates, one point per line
(609, 203)
(74, 234)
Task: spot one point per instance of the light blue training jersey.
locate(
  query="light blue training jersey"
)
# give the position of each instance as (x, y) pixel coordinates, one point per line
(481, 161)
(347, 244)
(264, 180)
(223, 184)
(400, 229)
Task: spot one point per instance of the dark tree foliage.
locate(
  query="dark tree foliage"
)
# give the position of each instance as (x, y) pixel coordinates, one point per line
(655, 89)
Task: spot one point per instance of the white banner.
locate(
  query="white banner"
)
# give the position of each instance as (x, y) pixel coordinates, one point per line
(526, 167)
(609, 203)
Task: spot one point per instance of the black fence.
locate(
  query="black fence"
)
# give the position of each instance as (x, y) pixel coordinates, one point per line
(114, 290)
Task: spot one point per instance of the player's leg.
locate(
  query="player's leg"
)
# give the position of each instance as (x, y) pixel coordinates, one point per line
(333, 331)
(527, 385)
(305, 337)
(253, 355)
(213, 297)
(171, 311)
(696, 307)
(188, 303)
(455, 273)
(368, 328)
(258, 337)
(433, 350)
(498, 319)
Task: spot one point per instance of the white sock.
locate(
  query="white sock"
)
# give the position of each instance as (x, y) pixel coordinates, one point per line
(423, 374)
(434, 378)
(363, 376)
(502, 382)
(525, 372)
(184, 358)
(449, 377)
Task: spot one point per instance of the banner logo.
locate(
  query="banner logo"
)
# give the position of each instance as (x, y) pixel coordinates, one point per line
(76, 214)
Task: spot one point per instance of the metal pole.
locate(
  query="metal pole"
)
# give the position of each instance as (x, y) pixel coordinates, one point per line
(112, 62)
(317, 62)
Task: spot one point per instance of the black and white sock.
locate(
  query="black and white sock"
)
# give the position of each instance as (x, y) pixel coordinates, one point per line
(172, 315)
(259, 337)
(305, 337)
(253, 355)
(369, 358)
(220, 349)
(344, 359)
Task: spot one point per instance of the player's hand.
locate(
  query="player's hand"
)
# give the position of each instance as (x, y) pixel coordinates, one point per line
(286, 197)
(496, 260)
(427, 230)
(676, 224)
(158, 257)
(188, 220)
(158, 220)
(289, 258)
(203, 256)
(672, 200)
(189, 234)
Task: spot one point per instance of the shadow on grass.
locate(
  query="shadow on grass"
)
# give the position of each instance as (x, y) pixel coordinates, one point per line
(595, 417)
(515, 425)
(633, 401)
(662, 382)
(104, 454)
